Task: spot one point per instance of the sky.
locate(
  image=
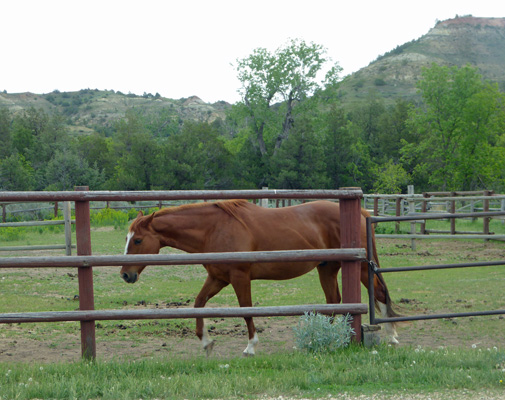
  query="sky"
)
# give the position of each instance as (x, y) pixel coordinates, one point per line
(190, 48)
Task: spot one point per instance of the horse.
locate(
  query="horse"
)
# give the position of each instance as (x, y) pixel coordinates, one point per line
(238, 225)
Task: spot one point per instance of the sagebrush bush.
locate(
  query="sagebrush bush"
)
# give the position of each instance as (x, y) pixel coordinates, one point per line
(319, 333)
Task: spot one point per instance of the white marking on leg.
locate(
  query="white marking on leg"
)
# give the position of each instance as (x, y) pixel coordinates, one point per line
(249, 350)
(390, 329)
(207, 342)
(128, 238)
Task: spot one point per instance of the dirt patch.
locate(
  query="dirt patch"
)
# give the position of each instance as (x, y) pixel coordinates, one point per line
(276, 334)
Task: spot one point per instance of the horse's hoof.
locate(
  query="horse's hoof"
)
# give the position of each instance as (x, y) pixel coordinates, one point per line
(244, 354)
(209, 347)
(392, 341)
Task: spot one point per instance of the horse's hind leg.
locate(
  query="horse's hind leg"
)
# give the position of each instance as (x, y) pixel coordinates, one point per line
(382, 301)
(328, 272)
(211, 287)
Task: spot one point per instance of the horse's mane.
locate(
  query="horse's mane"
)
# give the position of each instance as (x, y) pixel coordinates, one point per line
(230, 207)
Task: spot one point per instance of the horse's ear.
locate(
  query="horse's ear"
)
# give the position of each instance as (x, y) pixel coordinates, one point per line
(147, 220)
(140, 214)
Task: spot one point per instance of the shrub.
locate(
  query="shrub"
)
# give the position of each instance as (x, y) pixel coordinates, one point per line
(319, 333)
(12, 234)
(379, 82)
(108, 216)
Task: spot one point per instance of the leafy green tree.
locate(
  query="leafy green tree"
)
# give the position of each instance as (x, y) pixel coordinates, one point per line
(273, 87)
(392, 129)
(457, 130)
(298, 164)
(16, 173)
(390, 178)
(135, 152)
(367, 118)
(97, 150)
(344, 152)
(195, 158)
(5, 133)
(67, 170)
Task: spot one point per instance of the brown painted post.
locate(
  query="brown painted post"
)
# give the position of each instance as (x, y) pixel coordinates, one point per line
(376, 206)
(350, 232)
(85, 275)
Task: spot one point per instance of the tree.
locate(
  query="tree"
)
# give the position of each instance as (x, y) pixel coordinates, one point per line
(67, 170)
(5, 133)
(390, 178)
(16, 173)
(345, 154)
(136, 153)
(274, 85)
(299, 164)
(457, 130)
(195, 158)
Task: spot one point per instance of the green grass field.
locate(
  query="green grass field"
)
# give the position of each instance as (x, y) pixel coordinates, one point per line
(161, 359)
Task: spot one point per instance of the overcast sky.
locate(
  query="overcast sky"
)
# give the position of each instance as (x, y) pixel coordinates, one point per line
(184, 48)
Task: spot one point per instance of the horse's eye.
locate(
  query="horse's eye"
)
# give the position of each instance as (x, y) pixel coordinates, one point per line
(137, 241)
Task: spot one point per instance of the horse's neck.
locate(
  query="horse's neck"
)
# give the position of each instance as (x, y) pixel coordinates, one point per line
(186, 229)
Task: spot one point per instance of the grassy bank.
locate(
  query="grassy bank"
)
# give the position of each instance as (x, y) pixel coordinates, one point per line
(355, 371)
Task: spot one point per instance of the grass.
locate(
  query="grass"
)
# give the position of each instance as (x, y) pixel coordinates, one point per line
(410, 369)
(354, 370)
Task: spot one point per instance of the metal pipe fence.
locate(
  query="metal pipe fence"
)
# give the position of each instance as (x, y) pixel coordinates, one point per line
(373, 270)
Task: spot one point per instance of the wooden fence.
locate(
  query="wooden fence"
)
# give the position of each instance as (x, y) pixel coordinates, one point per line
(67, 221)
(439, 203)
(350, 255)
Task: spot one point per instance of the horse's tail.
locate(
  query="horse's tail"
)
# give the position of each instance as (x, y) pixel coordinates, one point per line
(389, 303)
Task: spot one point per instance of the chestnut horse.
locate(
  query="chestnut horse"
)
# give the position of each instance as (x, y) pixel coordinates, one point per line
(237, 225)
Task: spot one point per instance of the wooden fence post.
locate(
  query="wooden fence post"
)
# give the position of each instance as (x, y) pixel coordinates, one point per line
(452, 210)
(412, 210)
(350, 231)
(486, 209)
(67, 217)
(398, 213)
(264, 202)
(85, 275)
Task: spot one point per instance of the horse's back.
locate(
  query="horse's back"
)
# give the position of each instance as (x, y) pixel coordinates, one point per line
(311, 225)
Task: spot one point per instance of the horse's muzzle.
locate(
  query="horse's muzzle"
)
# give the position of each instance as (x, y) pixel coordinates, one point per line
(131, 277)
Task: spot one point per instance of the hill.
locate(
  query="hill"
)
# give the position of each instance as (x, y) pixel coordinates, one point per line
(459, 41)
(92, 109)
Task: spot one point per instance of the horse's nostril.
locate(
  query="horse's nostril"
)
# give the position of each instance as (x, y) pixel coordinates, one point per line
(125, 276)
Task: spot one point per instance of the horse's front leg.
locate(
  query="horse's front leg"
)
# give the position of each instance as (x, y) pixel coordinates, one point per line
(241, 282)
(211, 287)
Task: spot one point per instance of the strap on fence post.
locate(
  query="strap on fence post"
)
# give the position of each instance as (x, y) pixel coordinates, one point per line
(350, 231)
(85, 275)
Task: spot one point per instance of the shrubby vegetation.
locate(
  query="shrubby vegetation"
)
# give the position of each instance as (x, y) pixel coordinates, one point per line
(289, 131)
(317, 333)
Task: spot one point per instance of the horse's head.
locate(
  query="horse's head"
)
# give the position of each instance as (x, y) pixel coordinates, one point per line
(141, 239)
